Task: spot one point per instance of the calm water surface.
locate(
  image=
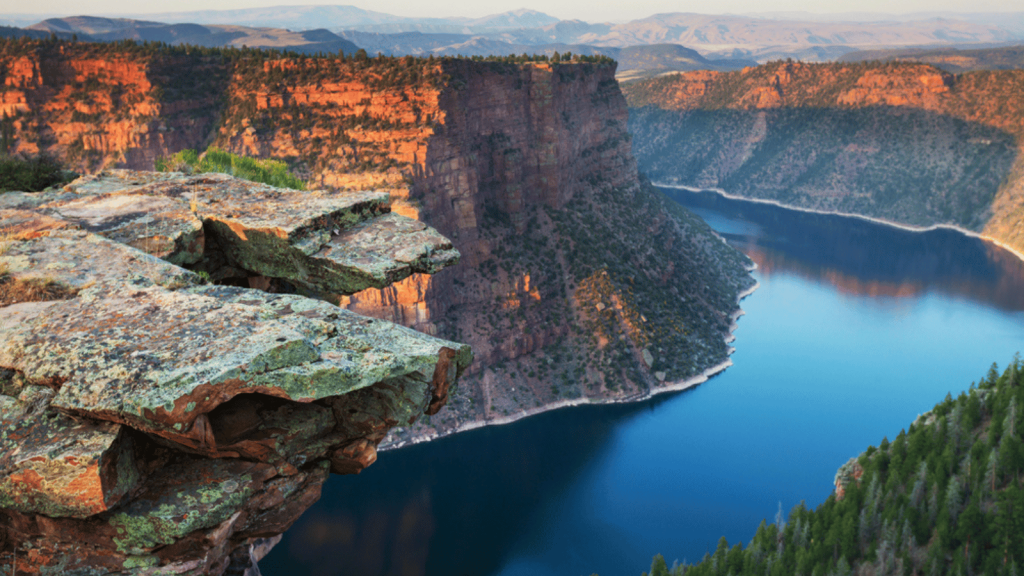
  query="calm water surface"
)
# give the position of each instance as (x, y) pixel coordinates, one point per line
(856, 329)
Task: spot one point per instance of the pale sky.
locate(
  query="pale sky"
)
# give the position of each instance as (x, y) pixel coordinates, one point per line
(588, 10)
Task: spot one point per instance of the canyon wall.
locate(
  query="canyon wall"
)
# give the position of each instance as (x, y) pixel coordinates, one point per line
(579, 281)
(97, 105)
(904, 142)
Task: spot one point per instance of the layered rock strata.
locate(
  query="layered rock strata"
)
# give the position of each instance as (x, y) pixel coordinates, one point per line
(903, 142)
(579, 283)
(154, 423)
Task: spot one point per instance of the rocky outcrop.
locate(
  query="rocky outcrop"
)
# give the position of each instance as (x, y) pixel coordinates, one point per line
(155, 423)
(526, 167)
(903, 142)
(573, 266)
(852, 471)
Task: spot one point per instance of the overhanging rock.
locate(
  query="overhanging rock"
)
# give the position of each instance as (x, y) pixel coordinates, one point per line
(318, 240)
(151, 422)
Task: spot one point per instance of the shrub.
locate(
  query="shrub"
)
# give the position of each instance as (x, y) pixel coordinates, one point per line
(32, 174)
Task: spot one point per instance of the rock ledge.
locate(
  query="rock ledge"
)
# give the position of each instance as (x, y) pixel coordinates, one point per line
(153, 423)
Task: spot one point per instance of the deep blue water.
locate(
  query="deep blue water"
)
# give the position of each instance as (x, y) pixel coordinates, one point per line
(855, 330)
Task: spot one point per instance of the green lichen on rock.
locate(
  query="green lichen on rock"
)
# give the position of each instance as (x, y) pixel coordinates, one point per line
(150, 423)
(197, 494)
(387, 249)
(58, 465)
(78, 259)
(157, 225)
(148, 356)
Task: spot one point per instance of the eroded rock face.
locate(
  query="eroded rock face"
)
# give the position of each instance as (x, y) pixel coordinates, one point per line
(901, 141)
(153, 423)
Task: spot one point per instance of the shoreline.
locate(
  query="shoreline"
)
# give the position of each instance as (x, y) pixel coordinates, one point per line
(905, 227)
(678, 386)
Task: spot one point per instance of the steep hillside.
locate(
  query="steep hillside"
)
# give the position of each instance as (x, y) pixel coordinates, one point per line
(658, 58)
(902, 142)
(579, 282)
(944, 497)
(13, 32)
(96, 105)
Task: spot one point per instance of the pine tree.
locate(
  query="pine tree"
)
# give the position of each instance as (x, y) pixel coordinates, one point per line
(953, 495)
(659, 567)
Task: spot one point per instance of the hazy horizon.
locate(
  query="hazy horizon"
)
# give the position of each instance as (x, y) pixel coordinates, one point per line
(601, 11)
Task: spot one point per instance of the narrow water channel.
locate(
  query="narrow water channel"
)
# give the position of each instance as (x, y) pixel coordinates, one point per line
(856, 328)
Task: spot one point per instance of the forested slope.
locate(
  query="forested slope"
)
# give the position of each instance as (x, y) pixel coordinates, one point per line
(944, 497)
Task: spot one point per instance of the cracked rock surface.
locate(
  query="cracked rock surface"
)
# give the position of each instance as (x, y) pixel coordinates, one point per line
(153, 423)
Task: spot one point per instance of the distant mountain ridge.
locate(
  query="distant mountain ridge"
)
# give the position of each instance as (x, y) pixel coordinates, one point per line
(112, 29)
(634, 61)
(661, 43)
(768, 37)
(351, 17)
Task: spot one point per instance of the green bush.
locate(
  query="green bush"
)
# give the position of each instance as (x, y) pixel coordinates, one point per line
(32, 174)
(273, 172)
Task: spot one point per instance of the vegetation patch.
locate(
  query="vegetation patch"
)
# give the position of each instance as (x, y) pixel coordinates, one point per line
(945, 497)
(273, 172)
(16, 291)
(32, 174)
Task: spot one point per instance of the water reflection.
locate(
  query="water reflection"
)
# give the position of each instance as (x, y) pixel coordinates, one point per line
(478, 490)
(821, 371)
(863, 258)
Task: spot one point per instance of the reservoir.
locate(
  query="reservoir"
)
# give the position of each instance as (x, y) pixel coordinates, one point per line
(856, 328)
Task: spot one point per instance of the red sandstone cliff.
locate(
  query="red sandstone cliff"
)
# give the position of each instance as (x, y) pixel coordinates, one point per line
(575, 282)
(96, 107)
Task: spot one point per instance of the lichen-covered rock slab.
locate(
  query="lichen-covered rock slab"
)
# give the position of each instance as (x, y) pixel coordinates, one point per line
(25, 224)
(109, 181)
(196, 494)
(329, 242)
(385, 250)
(157, 225)
(78, 259)
(159, 360)
(151, 423)
(187, 520)
(58, 465)
(32, 200)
